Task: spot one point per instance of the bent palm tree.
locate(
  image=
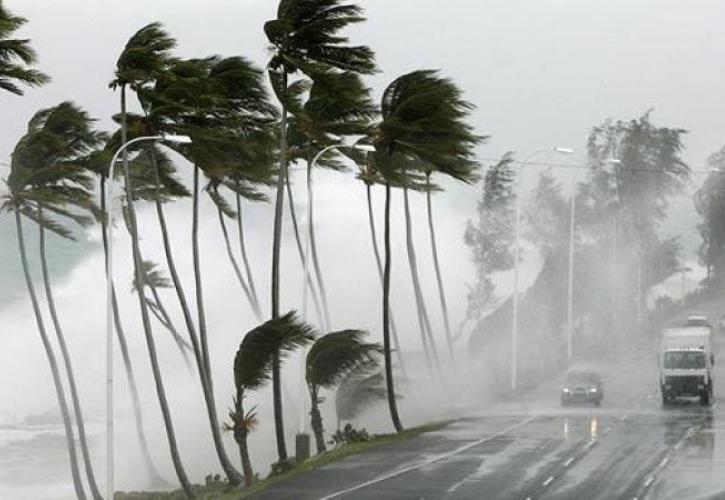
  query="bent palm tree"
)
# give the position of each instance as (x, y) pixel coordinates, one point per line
(360, 389)
(422, 122)
(305, 37)
(330, 359)
(58, 139)
(144, 57)
(16, 55)
(253, 365)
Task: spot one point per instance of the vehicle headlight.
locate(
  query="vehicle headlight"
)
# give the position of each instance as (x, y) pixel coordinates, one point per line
(566, 389)
(593, 389)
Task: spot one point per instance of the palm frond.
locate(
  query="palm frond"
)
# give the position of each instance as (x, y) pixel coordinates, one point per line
(253, 361)
(335, 355)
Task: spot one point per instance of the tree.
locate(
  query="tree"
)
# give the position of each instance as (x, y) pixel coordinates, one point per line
(45, 178)
(491, 236)
(631, 196)
(423, 123)
(710, 204)
(16, 55)
(306, 37)
(143, 58)
(338, 106)
(253, 365)
(330, 359)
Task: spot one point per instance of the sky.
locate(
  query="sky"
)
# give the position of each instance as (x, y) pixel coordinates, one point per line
(541, 73)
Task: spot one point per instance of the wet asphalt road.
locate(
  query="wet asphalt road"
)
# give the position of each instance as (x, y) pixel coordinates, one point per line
(530, 448)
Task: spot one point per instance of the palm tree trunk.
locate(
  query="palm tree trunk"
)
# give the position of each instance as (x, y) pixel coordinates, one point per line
(150, 342)
(439, 279)
(154, 476)
(201, 315)
(423, 319)
(276, 249)
(243, 249)
(303, 259)
(237, 270)
(165, 319)
(241, 431)
(65, 354)
(60, 393)
(232, 475)
(316, 422)
(390, 384)
(378, 262)
(313, 248)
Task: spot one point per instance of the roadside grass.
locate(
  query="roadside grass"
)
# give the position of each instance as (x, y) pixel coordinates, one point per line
(219, 490)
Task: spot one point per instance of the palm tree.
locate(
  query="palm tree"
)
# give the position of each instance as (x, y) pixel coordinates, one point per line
(144, 57)
(369, 177)
(305, 37)
(16, 55)
(422, 122)
(219, 103)
(338, 106)
(253, 366)
(34, 184)
(330, 359)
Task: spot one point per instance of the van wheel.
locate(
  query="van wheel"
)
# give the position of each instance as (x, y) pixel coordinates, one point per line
(705, 398)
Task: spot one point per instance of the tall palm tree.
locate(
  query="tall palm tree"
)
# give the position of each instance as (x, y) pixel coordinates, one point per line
(16, 55)
(369, 177)
(144, 57)
(33, 183)
(253, 365)
(338, 106)
(218, 102)
(330, 359)
(423, 121)
(305, 37)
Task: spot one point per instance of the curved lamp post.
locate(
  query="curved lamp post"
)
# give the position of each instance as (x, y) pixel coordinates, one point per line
(517, 252)
(179, 139)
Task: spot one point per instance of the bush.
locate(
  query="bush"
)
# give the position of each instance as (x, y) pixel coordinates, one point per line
(349, 435)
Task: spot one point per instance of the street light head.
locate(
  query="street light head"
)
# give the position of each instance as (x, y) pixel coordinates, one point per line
(367, 148)
(178, 139)
(613, 161)
(564, 151)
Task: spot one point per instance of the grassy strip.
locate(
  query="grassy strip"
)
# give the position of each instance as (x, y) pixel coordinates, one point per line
(222, 491)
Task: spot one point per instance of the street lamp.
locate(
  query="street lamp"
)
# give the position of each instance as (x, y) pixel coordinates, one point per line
(517, 252)
(570, 287)
(179, 139)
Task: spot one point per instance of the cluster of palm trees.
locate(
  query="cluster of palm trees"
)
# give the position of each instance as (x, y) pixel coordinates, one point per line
(241, 145)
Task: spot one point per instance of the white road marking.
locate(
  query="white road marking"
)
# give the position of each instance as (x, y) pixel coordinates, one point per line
(664, 461)
(548, 481)
(589, 445)
(429, 461)
(649, 481)
(568, 461)
(623, 418)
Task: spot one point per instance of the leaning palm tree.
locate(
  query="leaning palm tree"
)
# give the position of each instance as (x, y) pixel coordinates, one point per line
(338, 106)
(306, 37)
(253, 366)
(217, 102)
(144, 57)
(422, 122)
(34, 185)
(331, 358)
(16, 55)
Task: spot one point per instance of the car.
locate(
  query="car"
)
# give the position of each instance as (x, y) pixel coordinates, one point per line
(582, 386)
(697, 320)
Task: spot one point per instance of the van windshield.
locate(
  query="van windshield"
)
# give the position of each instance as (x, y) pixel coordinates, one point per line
(684, 360)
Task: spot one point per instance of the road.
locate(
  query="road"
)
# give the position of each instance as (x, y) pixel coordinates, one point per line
(531, 448)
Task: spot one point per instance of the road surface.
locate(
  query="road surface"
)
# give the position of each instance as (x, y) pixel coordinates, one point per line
(531, 448)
